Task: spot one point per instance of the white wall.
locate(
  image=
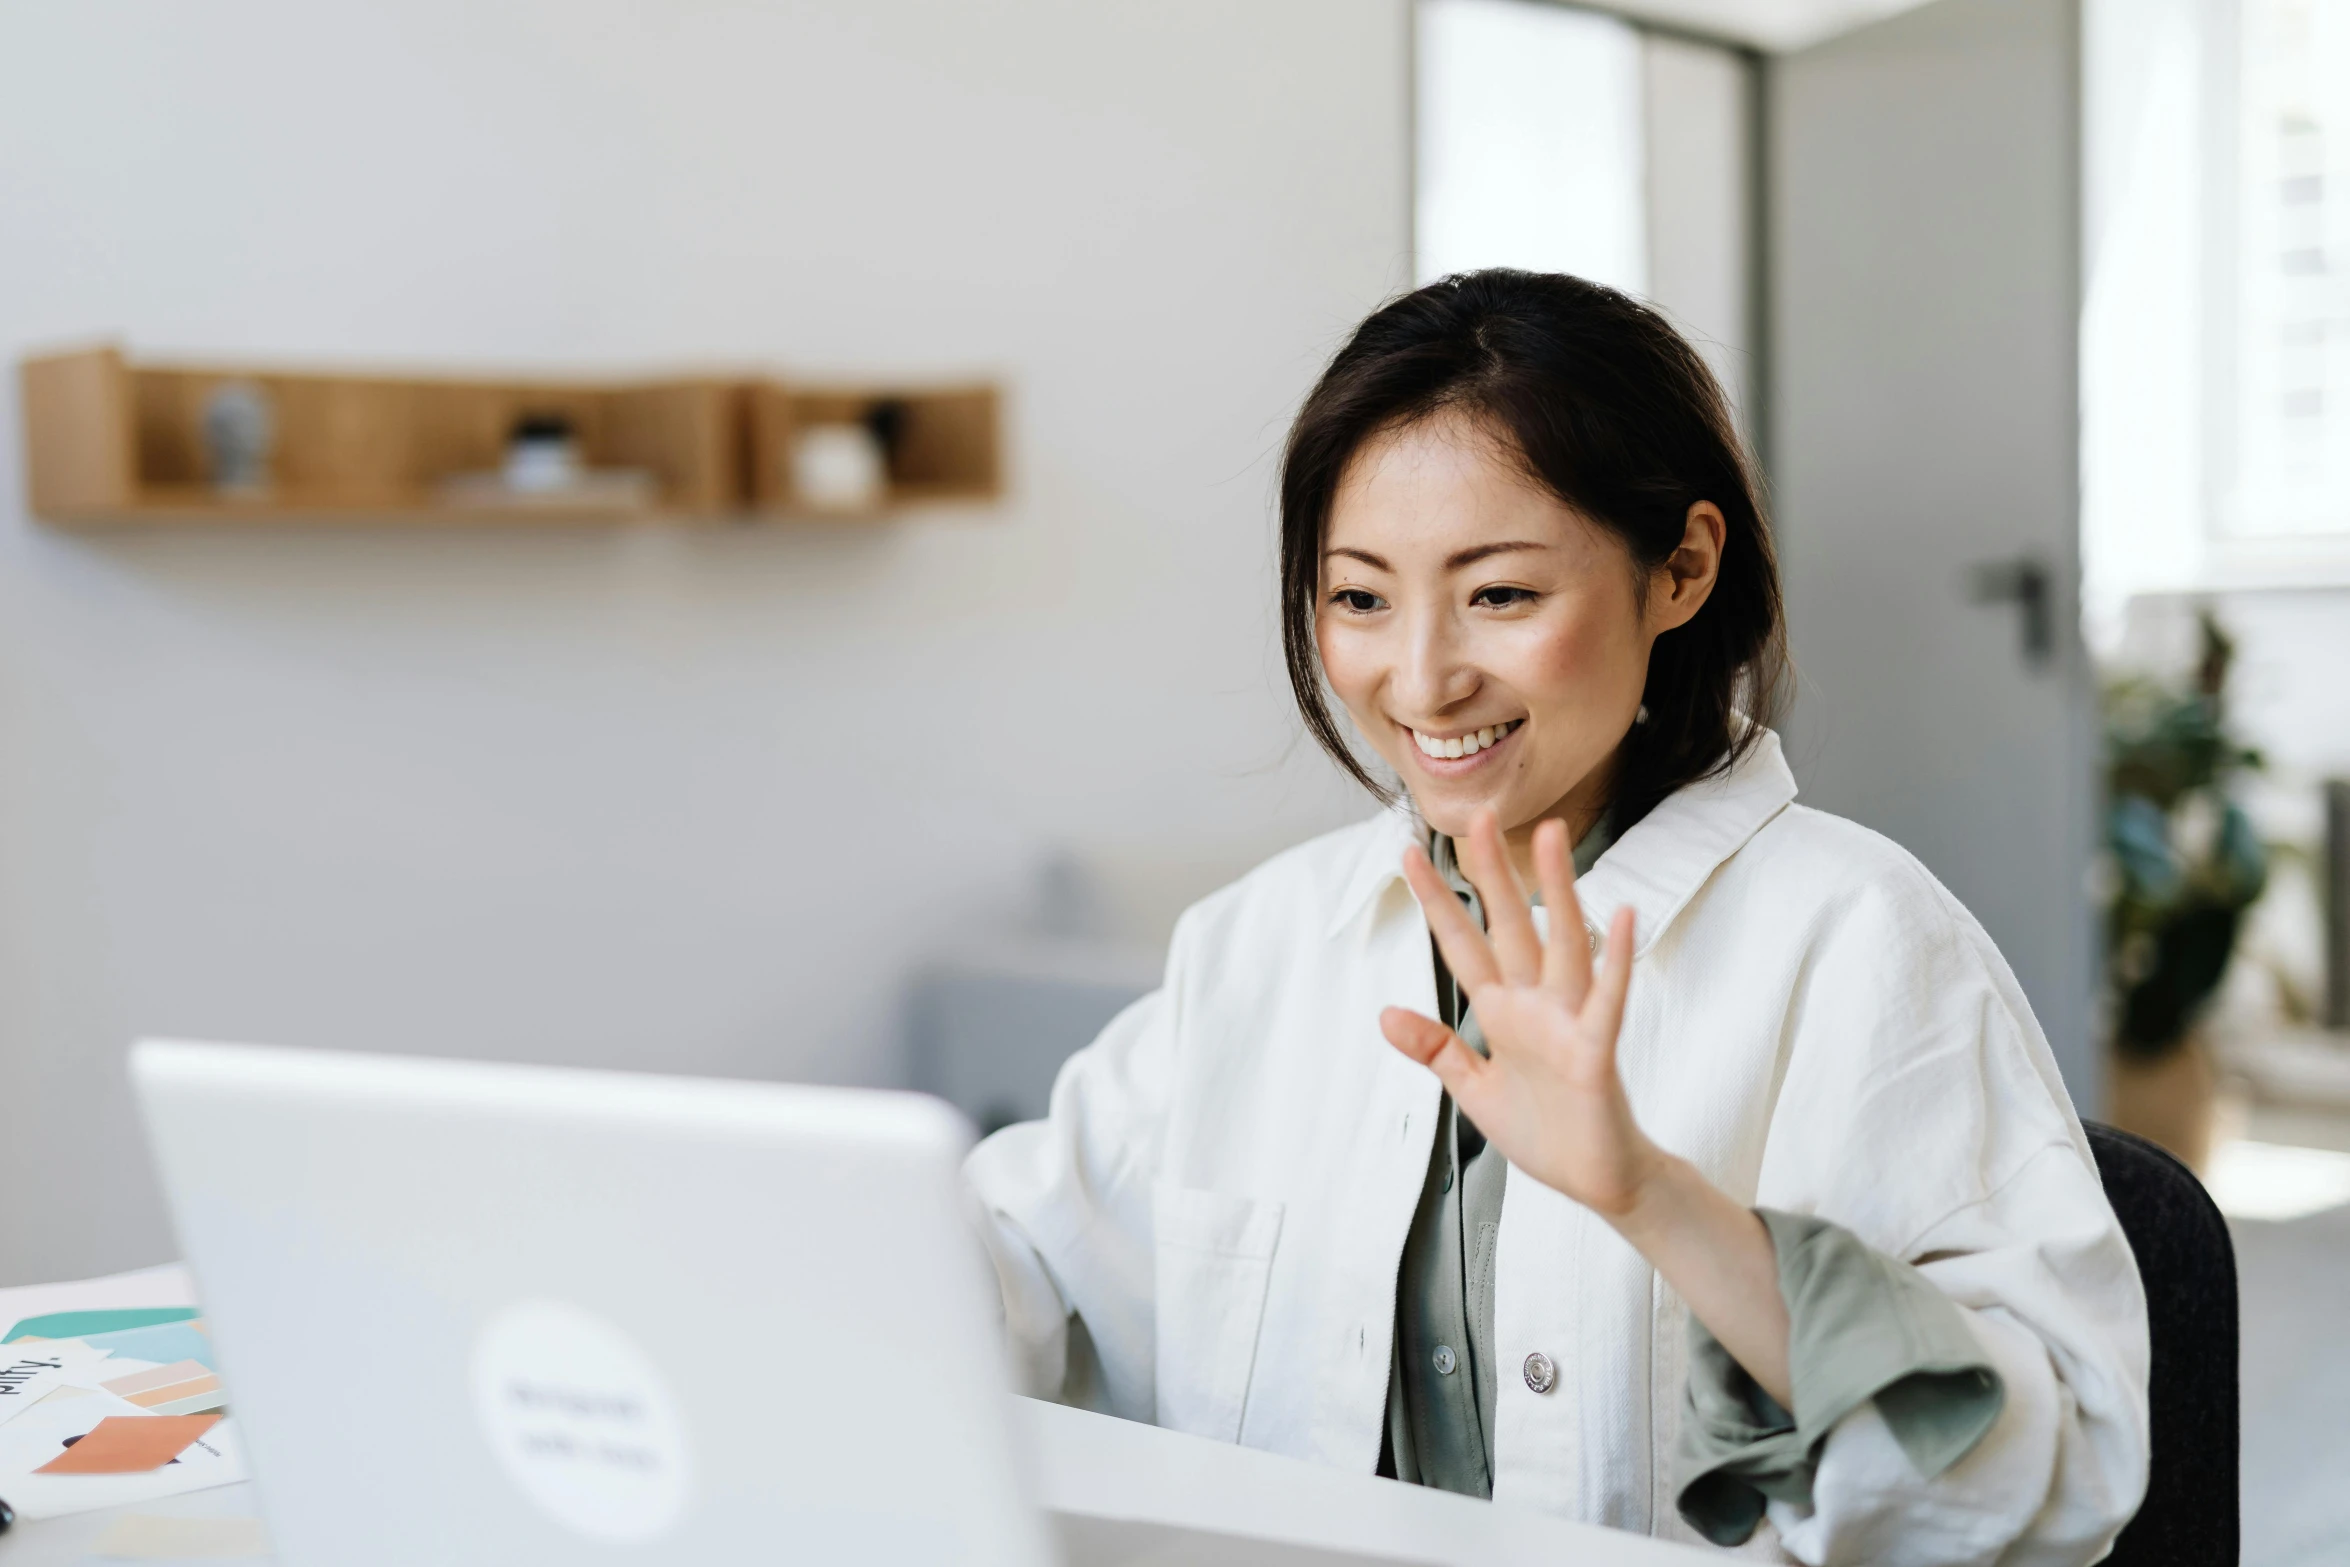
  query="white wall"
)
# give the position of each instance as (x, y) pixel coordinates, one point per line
(689, 800)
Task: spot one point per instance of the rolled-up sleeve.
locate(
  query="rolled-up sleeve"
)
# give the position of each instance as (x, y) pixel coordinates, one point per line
(1921, 1112)
(2047, 1283)
(1863, 1327)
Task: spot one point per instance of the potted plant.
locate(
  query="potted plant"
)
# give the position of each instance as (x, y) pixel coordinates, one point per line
(2184, 866)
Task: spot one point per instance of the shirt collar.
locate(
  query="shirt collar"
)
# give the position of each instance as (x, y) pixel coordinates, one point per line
(1378, 866)
(1655, 868)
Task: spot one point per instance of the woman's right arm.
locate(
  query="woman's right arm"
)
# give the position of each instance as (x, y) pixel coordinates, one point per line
(1066, 1206)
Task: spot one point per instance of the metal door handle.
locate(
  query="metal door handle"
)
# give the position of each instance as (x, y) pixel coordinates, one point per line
(2025, 582)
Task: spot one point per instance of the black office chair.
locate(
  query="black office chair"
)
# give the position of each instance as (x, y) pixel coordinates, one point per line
(2191, 1516)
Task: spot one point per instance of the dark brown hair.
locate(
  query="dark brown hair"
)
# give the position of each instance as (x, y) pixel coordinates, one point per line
(1614, 413)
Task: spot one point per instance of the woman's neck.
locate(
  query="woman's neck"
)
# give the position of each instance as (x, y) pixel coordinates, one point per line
(1580, 808)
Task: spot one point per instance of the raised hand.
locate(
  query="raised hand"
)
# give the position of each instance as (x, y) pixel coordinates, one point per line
(1548, 1095)
(1549, 1098)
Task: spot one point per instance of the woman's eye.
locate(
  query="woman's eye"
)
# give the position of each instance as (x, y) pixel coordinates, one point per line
(1358, 600)
(1503, 598)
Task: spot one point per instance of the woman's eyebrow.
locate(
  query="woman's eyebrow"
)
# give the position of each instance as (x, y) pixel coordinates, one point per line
(1476, 553)
(1456, 561)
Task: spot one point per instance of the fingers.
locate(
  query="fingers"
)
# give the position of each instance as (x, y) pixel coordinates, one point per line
(1509, 920)
(1604, 1016)
(1566, 966)
(1466, 951)
(1437, 1048)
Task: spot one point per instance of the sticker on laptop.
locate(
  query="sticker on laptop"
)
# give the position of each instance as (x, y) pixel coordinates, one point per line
(581, 1420)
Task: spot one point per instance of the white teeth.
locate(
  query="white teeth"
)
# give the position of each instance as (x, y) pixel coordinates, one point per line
(1463, 745)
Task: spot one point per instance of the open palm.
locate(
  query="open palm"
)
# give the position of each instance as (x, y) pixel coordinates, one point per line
(1548, 1095)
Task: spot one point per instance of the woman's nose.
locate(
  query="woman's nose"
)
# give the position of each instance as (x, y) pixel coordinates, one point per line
(1434, 674)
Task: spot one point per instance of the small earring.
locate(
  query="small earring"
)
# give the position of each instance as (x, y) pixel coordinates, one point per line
(1641, 717)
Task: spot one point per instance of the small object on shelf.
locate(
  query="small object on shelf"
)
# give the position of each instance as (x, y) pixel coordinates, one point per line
(240, 428)
(543, 470)
(893, 447)
(542, 454)
(839, 467)
(887, 420)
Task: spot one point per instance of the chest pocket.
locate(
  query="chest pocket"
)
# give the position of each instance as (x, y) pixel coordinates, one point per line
(1214, 1261)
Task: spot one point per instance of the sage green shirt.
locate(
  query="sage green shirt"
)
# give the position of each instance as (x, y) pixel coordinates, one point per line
(1862, 1326)
(1442, 1384)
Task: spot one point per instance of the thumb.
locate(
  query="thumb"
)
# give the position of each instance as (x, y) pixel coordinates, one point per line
(1435, 1047)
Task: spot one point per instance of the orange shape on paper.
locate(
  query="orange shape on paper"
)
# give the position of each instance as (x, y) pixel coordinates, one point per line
(161, 1376)
(129, 1445)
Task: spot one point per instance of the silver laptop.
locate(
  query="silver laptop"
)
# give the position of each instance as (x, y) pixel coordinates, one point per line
(472, 1313)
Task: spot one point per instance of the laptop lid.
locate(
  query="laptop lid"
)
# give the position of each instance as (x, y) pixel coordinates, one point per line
(476, 1313)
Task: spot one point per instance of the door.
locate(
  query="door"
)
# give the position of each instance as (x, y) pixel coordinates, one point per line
(1922, 263)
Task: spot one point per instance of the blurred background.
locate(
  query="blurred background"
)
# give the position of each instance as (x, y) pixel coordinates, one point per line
(728, 727)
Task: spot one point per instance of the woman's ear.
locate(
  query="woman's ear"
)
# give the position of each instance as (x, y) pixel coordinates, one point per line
(1680, 586)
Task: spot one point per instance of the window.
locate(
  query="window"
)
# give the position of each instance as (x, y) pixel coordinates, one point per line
(2289, 471)
(2215, 334)
(1563, 140)
(1530, 145)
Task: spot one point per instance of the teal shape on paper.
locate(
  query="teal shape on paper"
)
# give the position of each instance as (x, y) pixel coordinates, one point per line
(81, 1324)
(167, 1343)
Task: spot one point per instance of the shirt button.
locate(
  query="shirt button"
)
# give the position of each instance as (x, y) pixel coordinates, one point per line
(1541, 1375)
(1444, 1360)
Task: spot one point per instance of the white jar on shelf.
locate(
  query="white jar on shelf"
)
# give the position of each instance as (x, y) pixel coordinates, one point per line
(838, 467)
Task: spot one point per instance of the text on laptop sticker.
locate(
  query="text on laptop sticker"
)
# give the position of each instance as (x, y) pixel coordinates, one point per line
(581, 1420)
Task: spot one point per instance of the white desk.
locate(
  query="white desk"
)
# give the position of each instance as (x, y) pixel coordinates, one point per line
(1126, 1495)
(1121, 1494)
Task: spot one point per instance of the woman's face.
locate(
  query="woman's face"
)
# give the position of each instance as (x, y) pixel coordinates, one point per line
(1489, 642)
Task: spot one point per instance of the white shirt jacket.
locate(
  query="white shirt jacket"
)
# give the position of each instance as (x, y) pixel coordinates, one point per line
(1206, 1231)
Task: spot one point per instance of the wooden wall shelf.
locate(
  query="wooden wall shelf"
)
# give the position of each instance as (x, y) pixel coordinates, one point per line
(108, 441)
(942, 443)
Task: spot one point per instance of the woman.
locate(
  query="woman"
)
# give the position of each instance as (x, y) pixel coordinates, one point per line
(1774, 1217)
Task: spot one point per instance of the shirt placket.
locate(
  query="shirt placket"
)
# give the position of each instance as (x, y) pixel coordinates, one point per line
(1439, 1369)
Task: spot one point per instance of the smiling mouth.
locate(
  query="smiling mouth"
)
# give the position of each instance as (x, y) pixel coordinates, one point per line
(1453, 747)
